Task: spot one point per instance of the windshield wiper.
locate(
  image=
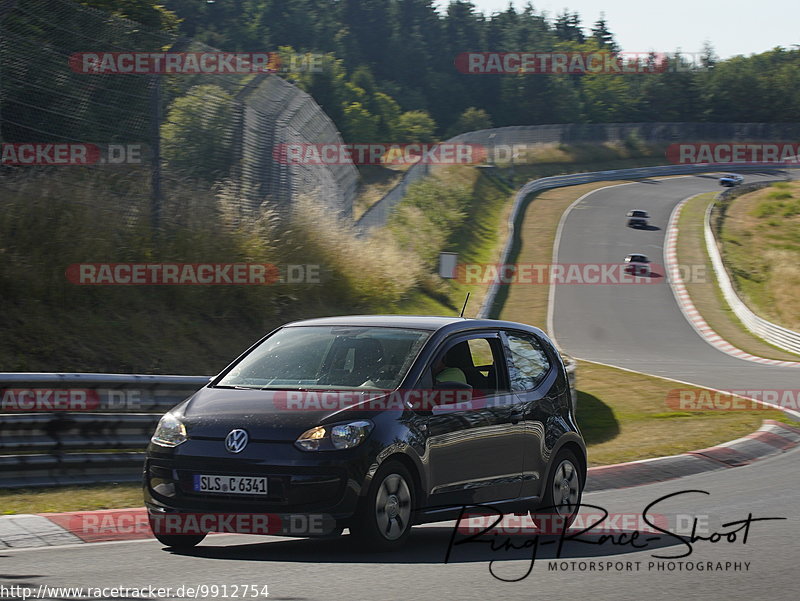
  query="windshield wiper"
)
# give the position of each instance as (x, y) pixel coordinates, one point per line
(237, 387)
(301, 389)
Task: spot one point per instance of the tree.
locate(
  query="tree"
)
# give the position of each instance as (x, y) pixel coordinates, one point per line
(568, 28)
(603, 37)
(388, 111)
(149, 13)
(360, 126)
(470, 120)
(415, 126)
(195, 137)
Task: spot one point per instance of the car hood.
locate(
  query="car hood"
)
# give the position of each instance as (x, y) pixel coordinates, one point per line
(270, 415)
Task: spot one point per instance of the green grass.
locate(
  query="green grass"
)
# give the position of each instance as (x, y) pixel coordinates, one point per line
(70, 498)
(624, 416)
(705, 292)
(461, 210)
(760, 234)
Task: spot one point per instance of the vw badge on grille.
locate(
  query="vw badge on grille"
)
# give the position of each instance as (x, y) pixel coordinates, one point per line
(236, 441)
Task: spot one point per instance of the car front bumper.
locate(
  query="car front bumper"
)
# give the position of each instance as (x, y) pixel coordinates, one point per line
(298, 482)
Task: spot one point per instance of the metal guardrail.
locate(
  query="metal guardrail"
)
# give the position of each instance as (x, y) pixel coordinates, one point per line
(572, 376)
(59, 429)
(776, 335)
(35, 471)
(54, 447)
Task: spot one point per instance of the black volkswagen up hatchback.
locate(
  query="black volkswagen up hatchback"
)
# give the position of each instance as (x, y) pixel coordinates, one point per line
(371, 423)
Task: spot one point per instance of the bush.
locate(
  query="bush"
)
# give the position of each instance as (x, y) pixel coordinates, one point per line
(196, 139)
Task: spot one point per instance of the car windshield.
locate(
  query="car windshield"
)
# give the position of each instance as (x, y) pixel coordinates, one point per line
(329, 357)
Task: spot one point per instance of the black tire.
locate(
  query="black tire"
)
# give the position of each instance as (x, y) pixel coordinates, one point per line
(383, 522)
(562, 494)
(176, 541)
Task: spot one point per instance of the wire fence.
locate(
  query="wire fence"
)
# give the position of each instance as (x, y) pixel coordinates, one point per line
(160, 129)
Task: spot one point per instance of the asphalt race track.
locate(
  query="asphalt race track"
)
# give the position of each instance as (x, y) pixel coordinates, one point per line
(636, 327)
(641, 327)
(328, 570)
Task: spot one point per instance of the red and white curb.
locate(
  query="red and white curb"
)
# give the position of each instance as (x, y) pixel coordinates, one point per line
(56, 529)
(687, 306)
(772, 438)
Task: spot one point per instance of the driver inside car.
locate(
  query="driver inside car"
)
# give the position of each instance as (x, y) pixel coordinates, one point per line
(443, 373)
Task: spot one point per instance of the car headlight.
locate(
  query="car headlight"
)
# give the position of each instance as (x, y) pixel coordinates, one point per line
(334, 437)
(170, 431)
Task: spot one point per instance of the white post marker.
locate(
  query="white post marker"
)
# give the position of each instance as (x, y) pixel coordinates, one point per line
(447, 265)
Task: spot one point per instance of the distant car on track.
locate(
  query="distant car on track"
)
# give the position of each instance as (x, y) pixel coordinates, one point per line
(731, 179)
(637, 218)
(637, 264)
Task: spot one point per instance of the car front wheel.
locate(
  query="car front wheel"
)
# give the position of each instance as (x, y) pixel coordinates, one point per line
(180, 541)
(384, 521)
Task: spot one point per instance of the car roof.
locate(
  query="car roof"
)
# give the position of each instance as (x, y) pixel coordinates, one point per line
(634, 255)
(418, 322)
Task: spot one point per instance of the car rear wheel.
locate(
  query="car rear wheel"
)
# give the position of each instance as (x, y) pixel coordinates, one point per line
(384, 521)
(562, 495)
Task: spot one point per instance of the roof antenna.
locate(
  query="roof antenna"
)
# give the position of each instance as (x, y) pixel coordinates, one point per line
(466, 300)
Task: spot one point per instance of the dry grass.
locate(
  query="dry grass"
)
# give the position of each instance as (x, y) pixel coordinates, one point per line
(53, 219)
(373, 269)
(376, 182)
(456, 209)
(705, 292)
(761, 246)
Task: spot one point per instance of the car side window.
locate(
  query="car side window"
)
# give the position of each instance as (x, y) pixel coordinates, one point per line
(527, 362)
(473, 362)
(484, 362)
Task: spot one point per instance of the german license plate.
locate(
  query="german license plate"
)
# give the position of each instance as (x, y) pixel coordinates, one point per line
(230, 485)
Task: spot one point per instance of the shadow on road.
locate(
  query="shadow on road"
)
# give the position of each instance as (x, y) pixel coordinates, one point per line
(428, 545)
